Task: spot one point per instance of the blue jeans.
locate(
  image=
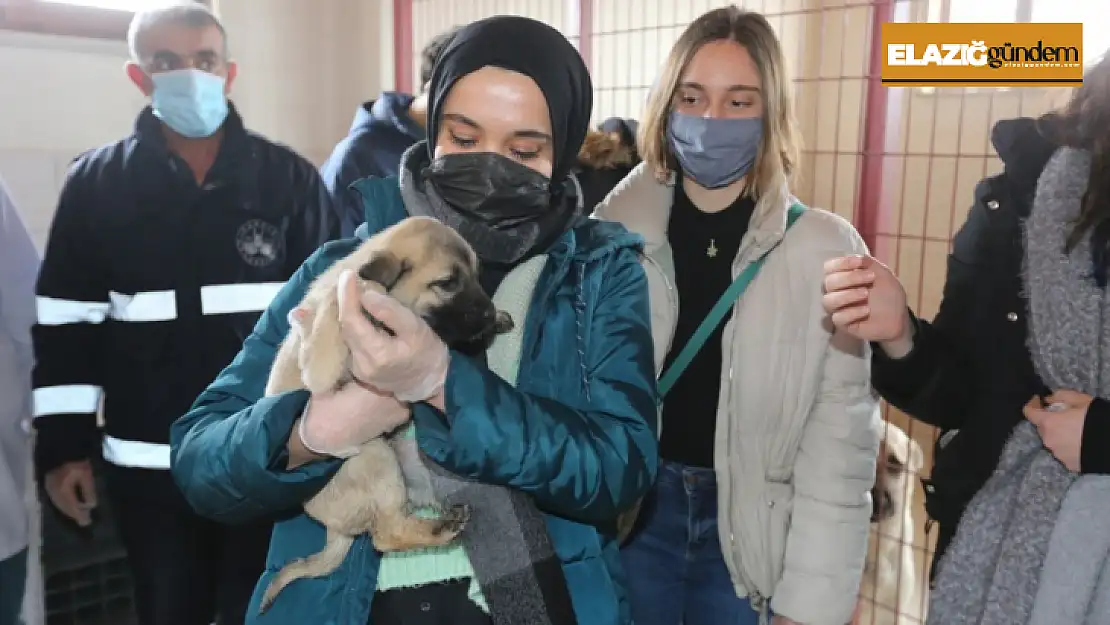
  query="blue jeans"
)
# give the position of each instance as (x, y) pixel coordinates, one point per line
(13, 581)
(676, 572)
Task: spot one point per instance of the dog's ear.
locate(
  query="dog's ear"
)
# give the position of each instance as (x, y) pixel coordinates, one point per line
(385, 268)
(301, 319)
(916, 460)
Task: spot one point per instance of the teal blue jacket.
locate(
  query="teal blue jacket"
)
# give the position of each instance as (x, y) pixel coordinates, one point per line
(577, 433)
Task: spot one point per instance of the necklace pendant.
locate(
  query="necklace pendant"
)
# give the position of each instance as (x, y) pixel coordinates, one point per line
(711, 251)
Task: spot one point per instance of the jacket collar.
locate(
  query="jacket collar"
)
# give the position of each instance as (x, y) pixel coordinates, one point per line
(148, 129)
(642, 203)
(234, 161)
(1024, 152)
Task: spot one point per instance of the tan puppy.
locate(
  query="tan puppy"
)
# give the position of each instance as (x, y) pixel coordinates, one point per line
(890, 593)
(431, 270)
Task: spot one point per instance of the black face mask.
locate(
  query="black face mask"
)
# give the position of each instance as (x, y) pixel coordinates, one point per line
(491, 189)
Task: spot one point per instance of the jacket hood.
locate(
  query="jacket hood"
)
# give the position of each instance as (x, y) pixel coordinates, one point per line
(626, 128)
(595, 239)
(603, 150)
(390, 111)
(1022, 148)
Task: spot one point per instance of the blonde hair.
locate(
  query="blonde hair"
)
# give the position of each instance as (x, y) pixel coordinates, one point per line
(777, 160)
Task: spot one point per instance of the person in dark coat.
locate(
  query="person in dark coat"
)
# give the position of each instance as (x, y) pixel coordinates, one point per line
(381, 131)
(164, 250)
(608, 154)
(982, 360)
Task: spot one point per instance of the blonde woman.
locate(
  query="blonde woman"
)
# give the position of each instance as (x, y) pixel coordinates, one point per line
(769, 430)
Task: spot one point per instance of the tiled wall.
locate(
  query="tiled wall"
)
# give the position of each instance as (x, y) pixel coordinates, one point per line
(70, 97)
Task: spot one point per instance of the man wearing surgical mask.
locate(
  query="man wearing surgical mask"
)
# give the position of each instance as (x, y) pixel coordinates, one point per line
(165, 248)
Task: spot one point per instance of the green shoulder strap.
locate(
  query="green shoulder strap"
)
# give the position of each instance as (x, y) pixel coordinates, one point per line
(719, 310)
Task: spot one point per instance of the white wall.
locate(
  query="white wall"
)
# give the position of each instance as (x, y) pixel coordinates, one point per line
(72, 95)
(304, 68)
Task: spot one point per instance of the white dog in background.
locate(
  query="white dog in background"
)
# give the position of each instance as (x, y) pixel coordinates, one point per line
(891, 592)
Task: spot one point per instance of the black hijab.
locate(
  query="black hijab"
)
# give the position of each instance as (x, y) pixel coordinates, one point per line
(531, 48)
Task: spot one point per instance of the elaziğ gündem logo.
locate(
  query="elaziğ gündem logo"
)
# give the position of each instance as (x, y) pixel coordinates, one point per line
(952, 55)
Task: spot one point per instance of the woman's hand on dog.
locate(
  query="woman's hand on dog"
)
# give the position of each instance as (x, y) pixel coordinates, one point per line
(337, 424)
(411, 364)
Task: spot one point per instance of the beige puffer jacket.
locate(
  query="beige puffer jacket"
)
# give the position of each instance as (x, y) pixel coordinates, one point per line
(797, 425)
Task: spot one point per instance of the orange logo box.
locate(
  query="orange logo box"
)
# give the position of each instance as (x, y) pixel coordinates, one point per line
(987, 55)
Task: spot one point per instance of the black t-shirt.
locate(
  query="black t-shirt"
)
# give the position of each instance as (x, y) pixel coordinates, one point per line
(705, 246)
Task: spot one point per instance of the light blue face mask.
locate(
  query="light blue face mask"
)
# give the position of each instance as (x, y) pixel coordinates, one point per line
(714, 152)
(190, 101)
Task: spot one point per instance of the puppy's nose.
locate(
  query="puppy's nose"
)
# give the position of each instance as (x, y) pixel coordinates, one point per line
(882, 504)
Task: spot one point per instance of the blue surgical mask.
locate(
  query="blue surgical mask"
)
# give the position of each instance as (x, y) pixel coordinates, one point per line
(190, 101)
(714, 152)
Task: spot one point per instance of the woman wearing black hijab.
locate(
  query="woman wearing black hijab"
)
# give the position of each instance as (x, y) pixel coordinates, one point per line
(547, 463)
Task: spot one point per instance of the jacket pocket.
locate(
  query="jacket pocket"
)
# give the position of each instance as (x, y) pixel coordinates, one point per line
(948, 489)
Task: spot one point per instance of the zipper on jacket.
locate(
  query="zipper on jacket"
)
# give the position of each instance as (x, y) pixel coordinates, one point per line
(672, 298)
(758, 602)
(761, 605)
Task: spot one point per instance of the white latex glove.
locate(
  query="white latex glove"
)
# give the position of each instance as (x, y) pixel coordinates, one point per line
(337, 424)
(411, 365)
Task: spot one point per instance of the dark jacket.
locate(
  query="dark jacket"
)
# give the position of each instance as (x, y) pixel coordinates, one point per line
(970, 372)
(578, 436)
(381, 131)
(151, 282)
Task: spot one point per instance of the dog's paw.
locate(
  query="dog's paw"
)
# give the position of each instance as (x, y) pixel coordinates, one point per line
(454, 519)
(504, 322)
(300, 319)
(421, 496)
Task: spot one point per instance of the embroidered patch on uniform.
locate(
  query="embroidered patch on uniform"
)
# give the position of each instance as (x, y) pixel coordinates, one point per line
(258, 242)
